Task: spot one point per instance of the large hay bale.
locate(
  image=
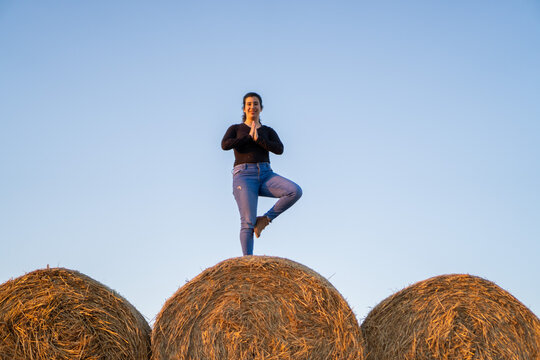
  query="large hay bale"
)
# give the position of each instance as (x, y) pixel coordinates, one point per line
(62, 314)
(452, 317)
(257, 307)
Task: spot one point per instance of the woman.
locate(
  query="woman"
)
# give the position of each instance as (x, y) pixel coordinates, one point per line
(252, 174)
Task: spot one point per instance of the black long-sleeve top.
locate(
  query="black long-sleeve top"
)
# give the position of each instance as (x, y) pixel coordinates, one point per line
(247, 150)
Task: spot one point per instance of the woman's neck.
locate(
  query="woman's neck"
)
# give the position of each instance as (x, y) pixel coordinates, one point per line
(248, 122)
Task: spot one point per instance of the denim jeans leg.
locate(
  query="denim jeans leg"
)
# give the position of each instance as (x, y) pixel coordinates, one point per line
(277, 186)
(245, 190)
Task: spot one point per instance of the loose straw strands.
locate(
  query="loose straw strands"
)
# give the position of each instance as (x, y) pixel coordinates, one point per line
(454, 317)
(62, 314)
(257, 307)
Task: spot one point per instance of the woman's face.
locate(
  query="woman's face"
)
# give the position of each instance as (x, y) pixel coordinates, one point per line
(252, 108)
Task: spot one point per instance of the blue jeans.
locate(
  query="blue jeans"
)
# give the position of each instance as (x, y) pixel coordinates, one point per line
(251, 181)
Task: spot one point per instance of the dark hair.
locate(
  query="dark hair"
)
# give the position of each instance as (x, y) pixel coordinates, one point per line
(250, 94)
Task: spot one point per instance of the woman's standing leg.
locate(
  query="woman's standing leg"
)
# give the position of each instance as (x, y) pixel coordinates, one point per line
(246, 193)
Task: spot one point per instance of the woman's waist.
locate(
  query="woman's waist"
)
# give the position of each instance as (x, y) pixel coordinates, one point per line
(255, 166)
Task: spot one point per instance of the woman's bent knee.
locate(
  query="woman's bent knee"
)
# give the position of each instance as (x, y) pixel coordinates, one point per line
(297, 193)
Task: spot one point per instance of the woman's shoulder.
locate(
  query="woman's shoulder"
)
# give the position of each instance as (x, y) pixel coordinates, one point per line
(267, 128)
(234, 126)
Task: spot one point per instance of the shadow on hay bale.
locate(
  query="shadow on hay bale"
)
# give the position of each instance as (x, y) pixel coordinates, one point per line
(257, 307)
(62, 314)
(452, 317)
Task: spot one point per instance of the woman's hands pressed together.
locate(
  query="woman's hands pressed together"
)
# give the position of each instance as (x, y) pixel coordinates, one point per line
(253, 132)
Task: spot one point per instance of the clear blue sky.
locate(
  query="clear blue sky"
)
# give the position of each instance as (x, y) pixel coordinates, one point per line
(413, 128)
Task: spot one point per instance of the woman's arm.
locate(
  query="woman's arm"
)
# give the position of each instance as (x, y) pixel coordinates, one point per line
(269, 140)
(230, 140)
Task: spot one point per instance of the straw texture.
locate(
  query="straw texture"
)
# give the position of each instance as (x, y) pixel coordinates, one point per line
(62, 314)
(452, 317)
(257, 307)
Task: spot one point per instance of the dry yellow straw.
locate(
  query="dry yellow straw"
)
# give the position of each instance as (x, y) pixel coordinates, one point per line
(452, 317)
(257, 307)
(63, 314)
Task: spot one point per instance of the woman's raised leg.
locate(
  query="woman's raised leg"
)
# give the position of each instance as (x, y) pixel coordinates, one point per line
(287, 191)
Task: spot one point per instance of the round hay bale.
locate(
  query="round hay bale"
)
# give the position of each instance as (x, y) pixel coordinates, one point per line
(257, 307)
(451, 317)
(62, 314)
